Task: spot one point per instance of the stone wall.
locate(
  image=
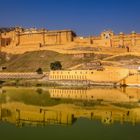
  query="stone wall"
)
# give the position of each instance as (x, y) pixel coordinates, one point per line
(48, 38)
(109, 74)
(43, 37)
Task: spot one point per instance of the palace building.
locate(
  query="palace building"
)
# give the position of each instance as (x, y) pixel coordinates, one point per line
(31, 36)
(33, 39)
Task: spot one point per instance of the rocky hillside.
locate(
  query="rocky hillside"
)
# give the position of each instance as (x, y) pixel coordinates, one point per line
(31, 61)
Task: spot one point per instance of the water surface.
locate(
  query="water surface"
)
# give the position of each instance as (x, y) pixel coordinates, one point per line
(72, 114)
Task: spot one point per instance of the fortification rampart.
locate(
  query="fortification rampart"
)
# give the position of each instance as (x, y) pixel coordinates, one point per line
(109, 74)
(19, 38)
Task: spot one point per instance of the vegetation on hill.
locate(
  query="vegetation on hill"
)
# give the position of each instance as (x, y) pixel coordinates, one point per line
(40, 61)
(56, 65)
(39, 71)
(31, 61)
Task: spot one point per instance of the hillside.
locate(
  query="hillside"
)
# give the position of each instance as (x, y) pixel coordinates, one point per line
(31, 61)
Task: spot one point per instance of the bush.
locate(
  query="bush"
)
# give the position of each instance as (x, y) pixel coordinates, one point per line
(56, 65)
(39, 71)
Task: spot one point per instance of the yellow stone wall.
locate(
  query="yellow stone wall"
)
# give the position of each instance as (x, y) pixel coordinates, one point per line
(109, 39)
(30, 39)
(133, 79)
(66, 37)
(36, 36)
(109, 74)
(8, 39)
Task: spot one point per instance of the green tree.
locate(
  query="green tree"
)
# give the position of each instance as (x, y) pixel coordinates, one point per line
(56, 65)
(39, 71)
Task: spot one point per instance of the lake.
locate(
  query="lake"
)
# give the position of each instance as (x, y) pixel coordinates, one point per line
(61, 113)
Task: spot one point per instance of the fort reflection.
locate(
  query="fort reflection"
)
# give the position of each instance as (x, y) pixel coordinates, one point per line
(16, 110)
(103, 94)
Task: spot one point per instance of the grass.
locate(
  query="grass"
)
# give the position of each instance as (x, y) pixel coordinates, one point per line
(31, 61)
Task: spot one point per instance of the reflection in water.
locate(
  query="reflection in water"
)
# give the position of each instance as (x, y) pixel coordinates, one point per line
(40, 107)
(112, 95)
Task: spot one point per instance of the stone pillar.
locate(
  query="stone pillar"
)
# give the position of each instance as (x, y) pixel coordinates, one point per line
(56, 39)
(4, 42)
(133, 40)
(121, 39)
(43, 35)
(90, 40)
(69, 36)
(0, 39)
(66, 37)
(59, 36)
(18, 38)
(111, 43)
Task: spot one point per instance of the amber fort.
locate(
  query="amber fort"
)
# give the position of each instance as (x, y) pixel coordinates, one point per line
(20, 40)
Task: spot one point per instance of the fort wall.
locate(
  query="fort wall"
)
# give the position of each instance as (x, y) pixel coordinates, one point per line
(19, 38)
(109, 74)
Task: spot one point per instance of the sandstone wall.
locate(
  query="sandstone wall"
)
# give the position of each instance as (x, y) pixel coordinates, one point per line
(106, 39)
(110, 74)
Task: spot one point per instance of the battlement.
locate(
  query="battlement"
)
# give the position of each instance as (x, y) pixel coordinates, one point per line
(20, 37)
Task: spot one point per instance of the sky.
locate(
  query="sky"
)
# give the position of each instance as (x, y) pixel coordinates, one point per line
(85, 17)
